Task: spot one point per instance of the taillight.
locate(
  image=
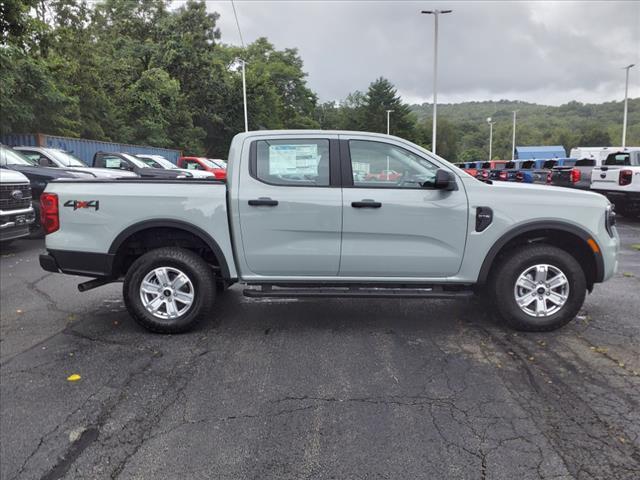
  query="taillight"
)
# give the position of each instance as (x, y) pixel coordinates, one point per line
(575, 175)
(625, 177)
(485, 174)
(504, 176)
(49, 218)
(549, 177)
(519, 176)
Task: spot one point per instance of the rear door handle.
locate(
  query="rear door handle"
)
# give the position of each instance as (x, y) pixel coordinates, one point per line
(263, 202)
(366, 204)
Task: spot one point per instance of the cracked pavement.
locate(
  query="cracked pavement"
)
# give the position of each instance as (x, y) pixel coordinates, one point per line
(314, 388)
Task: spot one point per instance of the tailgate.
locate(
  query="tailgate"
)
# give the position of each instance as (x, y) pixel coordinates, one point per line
(561, 176)
(605, 178)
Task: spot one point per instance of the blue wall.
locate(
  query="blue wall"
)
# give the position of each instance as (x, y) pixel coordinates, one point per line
(83, 149)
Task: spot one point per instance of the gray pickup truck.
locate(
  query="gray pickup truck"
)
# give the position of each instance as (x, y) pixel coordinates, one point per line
(311, 214)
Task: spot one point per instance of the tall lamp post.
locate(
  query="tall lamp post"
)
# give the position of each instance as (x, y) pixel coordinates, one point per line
(435, 14)
(389, 112)
(490, 122)
(626, 98)
(244, 98)
(244, 80)
(513, 142)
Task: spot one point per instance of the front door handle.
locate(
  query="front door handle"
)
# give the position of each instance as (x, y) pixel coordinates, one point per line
(366, 204)
(263, 202)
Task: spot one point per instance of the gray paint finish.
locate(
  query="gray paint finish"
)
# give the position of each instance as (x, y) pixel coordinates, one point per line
(314, 234)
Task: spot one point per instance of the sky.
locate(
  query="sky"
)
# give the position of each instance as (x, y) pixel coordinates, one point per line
(543, 52)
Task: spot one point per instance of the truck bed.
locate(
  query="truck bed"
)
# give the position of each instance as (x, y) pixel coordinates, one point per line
(96, 214)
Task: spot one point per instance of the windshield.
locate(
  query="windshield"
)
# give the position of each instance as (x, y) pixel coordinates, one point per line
(164, 163)
(66, 158)
(136, 161)
(11, 157)
(213, 164)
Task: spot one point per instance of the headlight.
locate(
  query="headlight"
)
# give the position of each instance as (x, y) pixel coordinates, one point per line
(610, 220)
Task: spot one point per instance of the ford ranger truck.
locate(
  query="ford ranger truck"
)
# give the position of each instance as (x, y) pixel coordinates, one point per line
(300, 216)
(16, 212)
(619, 179)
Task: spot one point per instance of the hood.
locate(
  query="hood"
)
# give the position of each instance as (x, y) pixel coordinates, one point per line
(48, 173)
(158, 173)
(102, 172)
(11, 176)
(547, 192)
(194, 173)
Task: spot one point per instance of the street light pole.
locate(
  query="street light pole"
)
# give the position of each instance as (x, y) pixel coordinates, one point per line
(490, 137)
(388, 113)
(435, 14)
(513, 148)
(244, 98)
(244, 79)
(626, 98)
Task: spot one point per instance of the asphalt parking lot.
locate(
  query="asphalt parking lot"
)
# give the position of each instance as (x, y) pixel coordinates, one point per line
(315, 388)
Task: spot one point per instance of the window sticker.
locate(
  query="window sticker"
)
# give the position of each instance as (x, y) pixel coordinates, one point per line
(293, 159)
(112, 162)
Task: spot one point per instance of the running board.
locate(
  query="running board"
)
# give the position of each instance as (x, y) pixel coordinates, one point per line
(354, 292)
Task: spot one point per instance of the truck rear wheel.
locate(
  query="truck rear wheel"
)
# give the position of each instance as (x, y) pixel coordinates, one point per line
(538, 288)
(169, 290)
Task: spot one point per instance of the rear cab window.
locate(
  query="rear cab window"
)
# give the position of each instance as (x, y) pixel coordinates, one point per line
(585, 162)
(623, 159)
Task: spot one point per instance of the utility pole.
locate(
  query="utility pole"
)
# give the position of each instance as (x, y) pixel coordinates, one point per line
(244, 79)
(244, 98)
(513, 148)
(626, 98)
(388, 113)
(435, 14)
(490, 137)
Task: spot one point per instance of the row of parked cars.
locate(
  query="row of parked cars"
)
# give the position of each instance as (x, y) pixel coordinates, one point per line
(615, 174)
(25, 172)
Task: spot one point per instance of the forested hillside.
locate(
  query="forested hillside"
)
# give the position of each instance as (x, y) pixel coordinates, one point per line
(142, 72)
(572, 124)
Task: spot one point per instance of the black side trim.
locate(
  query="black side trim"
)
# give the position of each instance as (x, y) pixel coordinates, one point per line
(48, 263)
(87, 264)
(484, 217)
(345, 164)
(204, 236)
(335, 175)
(545, 225)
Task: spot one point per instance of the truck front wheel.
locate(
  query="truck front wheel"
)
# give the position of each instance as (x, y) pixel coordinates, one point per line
(169, 290)
(538, 288)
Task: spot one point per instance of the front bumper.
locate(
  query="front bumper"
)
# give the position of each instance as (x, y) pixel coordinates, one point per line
(15, 223)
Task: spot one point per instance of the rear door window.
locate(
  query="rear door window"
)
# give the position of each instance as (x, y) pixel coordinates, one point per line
(291, 162)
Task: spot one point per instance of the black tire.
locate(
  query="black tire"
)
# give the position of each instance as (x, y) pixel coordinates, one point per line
(627, 211)
(195, 268)
(503, 282)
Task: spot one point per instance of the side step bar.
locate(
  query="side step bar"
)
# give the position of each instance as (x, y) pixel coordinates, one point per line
(354, 292)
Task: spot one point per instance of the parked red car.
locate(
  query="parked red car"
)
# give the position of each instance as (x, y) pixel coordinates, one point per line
(388, 175)
(215, 166)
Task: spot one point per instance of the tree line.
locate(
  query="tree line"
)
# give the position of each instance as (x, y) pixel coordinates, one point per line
(145, 73)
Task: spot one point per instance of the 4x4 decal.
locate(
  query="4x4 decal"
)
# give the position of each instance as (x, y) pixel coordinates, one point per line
(76, 204)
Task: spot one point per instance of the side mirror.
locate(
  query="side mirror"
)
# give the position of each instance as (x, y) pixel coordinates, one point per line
(43, 161)
(445, 180)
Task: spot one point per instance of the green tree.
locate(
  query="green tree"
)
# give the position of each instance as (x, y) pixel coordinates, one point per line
(382, 96)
